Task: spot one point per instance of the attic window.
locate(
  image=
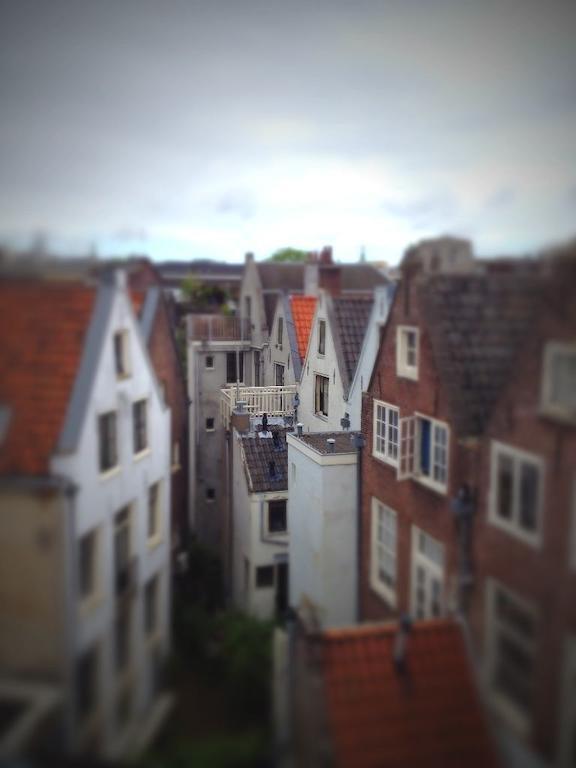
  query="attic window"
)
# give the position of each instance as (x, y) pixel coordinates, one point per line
(322, 337)
(210, 424)
(407, 352)
(321, 396)
(280, 331)
(121, 354)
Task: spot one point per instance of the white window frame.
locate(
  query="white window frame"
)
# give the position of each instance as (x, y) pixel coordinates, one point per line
(403, 368)
(432, 568)
(429, 480)
(382, 551)
(321, 414)
(386, 454)
(547, 406)
(518, 457)
(519, 719)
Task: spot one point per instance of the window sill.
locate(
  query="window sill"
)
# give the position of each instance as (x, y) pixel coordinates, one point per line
(432, 485)
(533, 540)
(108, 473)
(383, 593)
(88, 605)
(175, 468)
(142, 454)
(407, 373)
(123, 376)
(154, 541)
(516, 720)
(392, 463)
(321, 416)
(557, 414)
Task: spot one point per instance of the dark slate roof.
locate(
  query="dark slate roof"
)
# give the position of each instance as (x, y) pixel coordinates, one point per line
(270, 299)
(350, 320)
(259, 452)
(361, 277)
(476, 325)
(344, 441)
(281, 276)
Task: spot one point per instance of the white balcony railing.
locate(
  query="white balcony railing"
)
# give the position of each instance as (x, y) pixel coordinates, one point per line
(274, 401)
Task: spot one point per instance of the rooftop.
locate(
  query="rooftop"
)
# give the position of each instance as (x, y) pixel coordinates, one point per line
(45, 323)
(351, 317)
(303, 308)
(343, 441)
(266, 459)
(429, 713)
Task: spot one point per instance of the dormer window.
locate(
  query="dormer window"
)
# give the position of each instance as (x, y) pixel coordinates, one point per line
(407, 339)
(322, 337)
(559, 381)
(121, 360)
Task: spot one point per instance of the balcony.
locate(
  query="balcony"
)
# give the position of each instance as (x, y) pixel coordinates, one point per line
(274, 401)
(218, 328)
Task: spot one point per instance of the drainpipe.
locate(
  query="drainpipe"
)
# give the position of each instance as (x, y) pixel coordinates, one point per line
(359, 444)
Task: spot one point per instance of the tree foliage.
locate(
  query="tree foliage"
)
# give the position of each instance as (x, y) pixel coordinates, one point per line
(289, 254)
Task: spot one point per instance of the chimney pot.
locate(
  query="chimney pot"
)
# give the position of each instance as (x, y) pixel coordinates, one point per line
(299, 428)
(331, 445)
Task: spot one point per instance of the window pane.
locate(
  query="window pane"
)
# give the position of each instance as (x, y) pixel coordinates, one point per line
(277, 516)
(425, 429)
(505, 470)
(528, 496)
(265, 576)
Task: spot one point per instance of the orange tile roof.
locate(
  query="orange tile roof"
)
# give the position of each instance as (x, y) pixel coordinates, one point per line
(428, 716)
(303, 308)
(42, 330)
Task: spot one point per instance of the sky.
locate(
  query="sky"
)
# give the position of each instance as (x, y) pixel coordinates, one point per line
(205, 129)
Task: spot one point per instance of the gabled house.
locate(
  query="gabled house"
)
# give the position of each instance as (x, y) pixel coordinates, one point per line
(84, 508)
(388, 694)
(259, 522)
(523, 611)
(338, 331)
(446, 352)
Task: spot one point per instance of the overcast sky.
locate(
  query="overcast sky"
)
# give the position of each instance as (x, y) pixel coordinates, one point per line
(192, 129)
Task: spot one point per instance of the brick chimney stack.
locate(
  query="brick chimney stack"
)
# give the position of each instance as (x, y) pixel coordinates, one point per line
(330, 274)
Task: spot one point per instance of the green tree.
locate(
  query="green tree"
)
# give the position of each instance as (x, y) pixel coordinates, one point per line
(289, 254)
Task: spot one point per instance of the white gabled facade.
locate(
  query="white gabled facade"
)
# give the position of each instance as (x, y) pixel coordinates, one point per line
(325, 366)
(117, 631)
(279, 357)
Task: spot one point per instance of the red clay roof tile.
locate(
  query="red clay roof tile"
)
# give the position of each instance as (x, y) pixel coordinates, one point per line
(303, 308)
(430, 715)
(43, 328)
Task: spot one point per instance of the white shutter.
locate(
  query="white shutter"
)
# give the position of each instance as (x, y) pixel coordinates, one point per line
(407, 445)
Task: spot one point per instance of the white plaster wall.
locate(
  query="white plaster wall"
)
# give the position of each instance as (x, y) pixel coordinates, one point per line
(323, 544)
(252, 287)
(378, 316)
(325, 365)
(100, 497)
(250, 542)
(279, 354)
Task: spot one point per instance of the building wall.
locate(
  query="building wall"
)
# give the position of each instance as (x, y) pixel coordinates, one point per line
(382, 300)
(251, 544)
(276, 353)
(325, 365)
(545, 575)
(100, 497)
(414, 503)
(32, 570)
(323, 534)
(252, 287)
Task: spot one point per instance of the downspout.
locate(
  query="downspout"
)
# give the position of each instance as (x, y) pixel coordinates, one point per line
(359, 443)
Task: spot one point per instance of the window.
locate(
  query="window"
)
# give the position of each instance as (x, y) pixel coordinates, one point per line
(321, 396)
(151, 606)
(88, 564)
(516, 480)
(280, 331)
(559, 381)
(231, 367)
(277, 520)
(209, 362)
(511, 630)
(121, 354)
(278, 374)
(210, 494)
(427, 575)
(265, 576)
(322, 337)
(87, 682)
(107, 438)
(424, 451)
(210, 424)
(248, 308)
(122, 638)
(154, 512)
(139, 425)
(383, 557)
(407, 352)
(385, 441)
(122, 546)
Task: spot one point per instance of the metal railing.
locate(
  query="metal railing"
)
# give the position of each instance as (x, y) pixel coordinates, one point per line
(274, 401)
(219, 328)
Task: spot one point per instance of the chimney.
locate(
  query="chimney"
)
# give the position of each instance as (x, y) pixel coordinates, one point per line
(299, 428)
(248, 257)
(240, 419)
(330, 274)
(331, 445)
(326, 255)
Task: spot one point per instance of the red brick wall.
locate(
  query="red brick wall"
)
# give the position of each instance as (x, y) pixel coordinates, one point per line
(414, 503)
(542, 574)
